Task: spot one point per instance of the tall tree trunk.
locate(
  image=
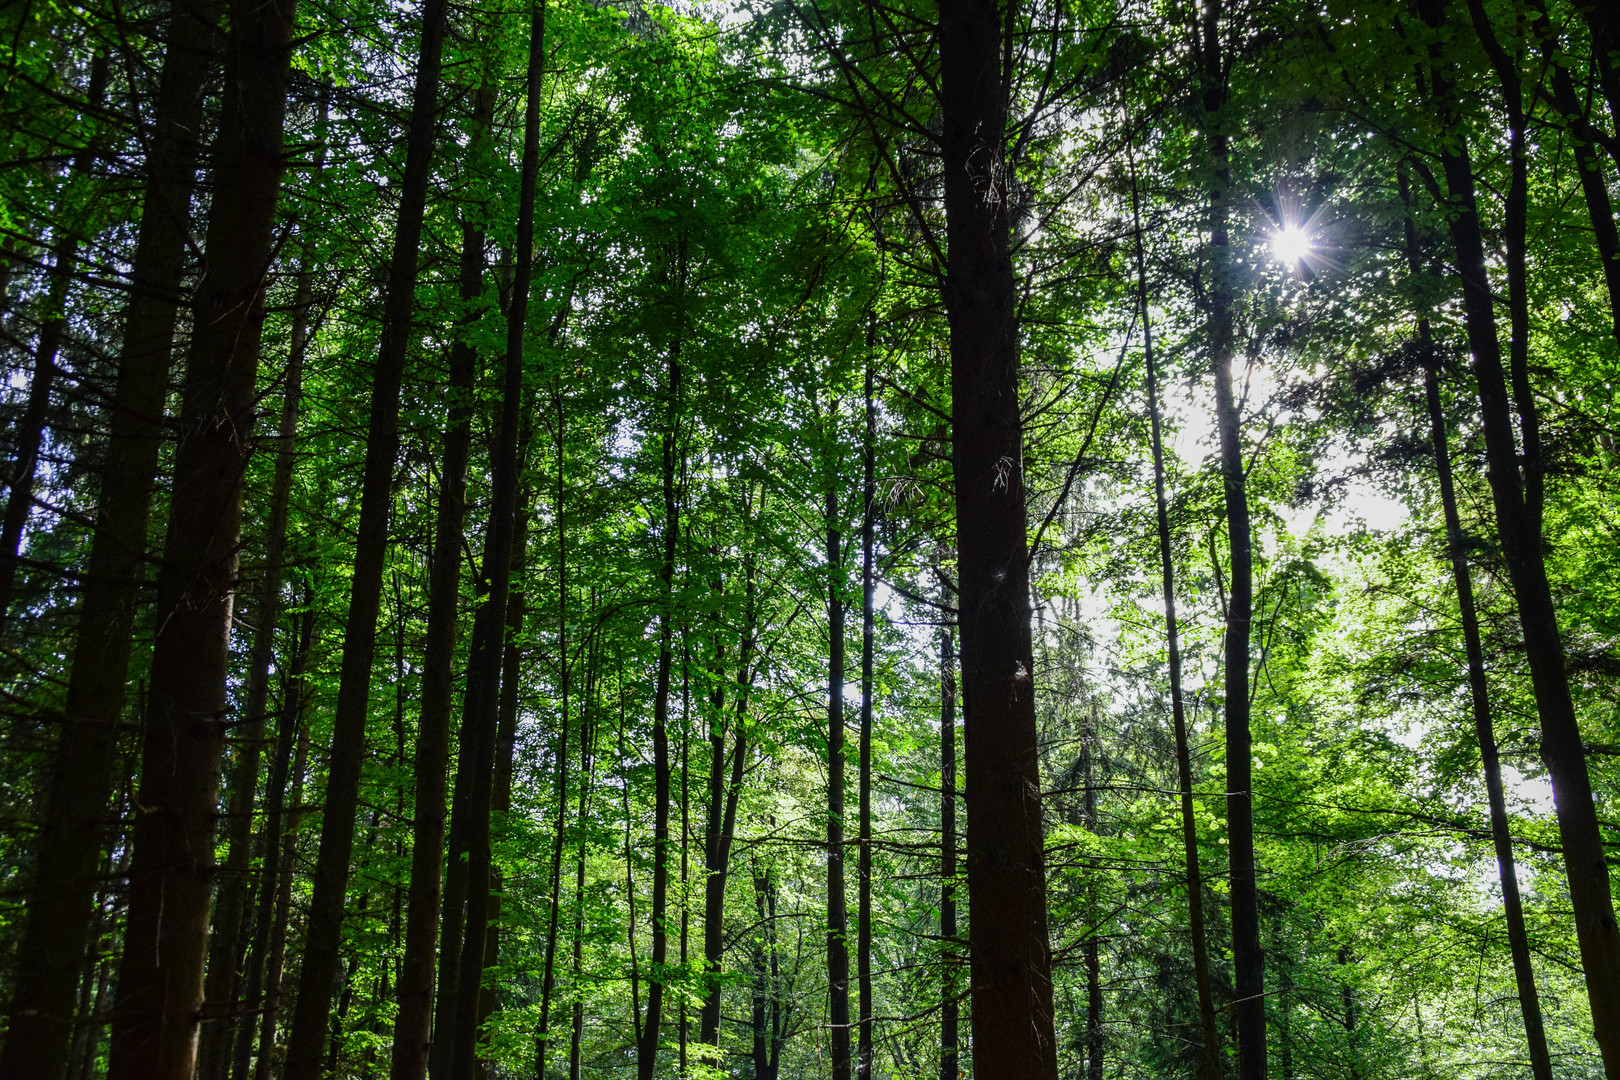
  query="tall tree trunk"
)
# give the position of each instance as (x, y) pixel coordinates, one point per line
(1010, 954)
(723, 792)
(1588, 162)
(1210, 1057)
(949, 1049)
(863, 908)
(313, 1007)
(648, 1035)
(30, 430)
(1093, 958)
(278, 819)
(270, 1004)
(548, 977)
(225, 980)
(1604, 26)
(1518, 526)
(483, 675)
(1248, 958)
(1484, 729)
(413, 1025)
(61, 898)
(837, 911)
(171, 873)
(587, 763)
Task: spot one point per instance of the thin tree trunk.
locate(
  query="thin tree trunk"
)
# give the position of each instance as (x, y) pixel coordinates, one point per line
(225, 977)
(30, 430)
(1093, 959)
(949, 1048)
(723, 793)
(1518, 525)
(277, 826)
(587, 762)
(413, 1025)
(837, 912)
(1210, 1058)
(312, 1010)
(1479, 694)
(1248, 958)
(1010, 954)
(648, 1036)
(1588, 166)
(270, 1008)
(62, 896)
(863, 913)
(483, 675)
(171, 873)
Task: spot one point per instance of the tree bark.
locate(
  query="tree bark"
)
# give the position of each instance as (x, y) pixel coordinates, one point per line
(837, 912)
(1479, 695)
(863, 913)
(160, 980)
(413, 1025)
(1010, 955)
(225, 977)
(312, 1010)
(61, 899)
(1518, 527)
(723, 793)
(949, 1049)
(483, 675)
(1248, 957)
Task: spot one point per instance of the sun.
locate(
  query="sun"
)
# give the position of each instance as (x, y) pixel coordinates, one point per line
(1290, 244)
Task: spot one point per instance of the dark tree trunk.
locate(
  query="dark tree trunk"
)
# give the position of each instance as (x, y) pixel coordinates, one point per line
(1518, 526)
(1589, 166)
(171, 873)
(1484, 729)
(413, 1025)
(483, 674)
(312, 1010)
(837, 912)
(61, 899)
(277, 827)
(949, 1038)
(723, 793)
(863, 909)
(225, 975)
(1248, 958)
(587, 763)
(292, 710)
(1210, 1057)
(1604, 26)
(30, 429)
(1010, 955)
(649, 1028)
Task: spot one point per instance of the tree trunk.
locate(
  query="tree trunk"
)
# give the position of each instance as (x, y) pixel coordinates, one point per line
(30, 430)
(1210, 1057)
(277, 826)
(270, 1004)
(587, 763)
(647, 1040)
(837, 912)
(863, 909)
(312, 1011)
(949, 1049)
(171, 873)
(225, 954)
(1010, 954)
(413, 1025)
(483, 675)
(1517, 524)
(1248, 958)
(61, 898)
(1484, 729)
(723, 793)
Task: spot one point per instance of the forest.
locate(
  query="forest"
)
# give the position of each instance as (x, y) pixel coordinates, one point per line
(860, 539)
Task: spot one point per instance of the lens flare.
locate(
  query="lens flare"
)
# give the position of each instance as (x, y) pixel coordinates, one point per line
(1290, 244)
